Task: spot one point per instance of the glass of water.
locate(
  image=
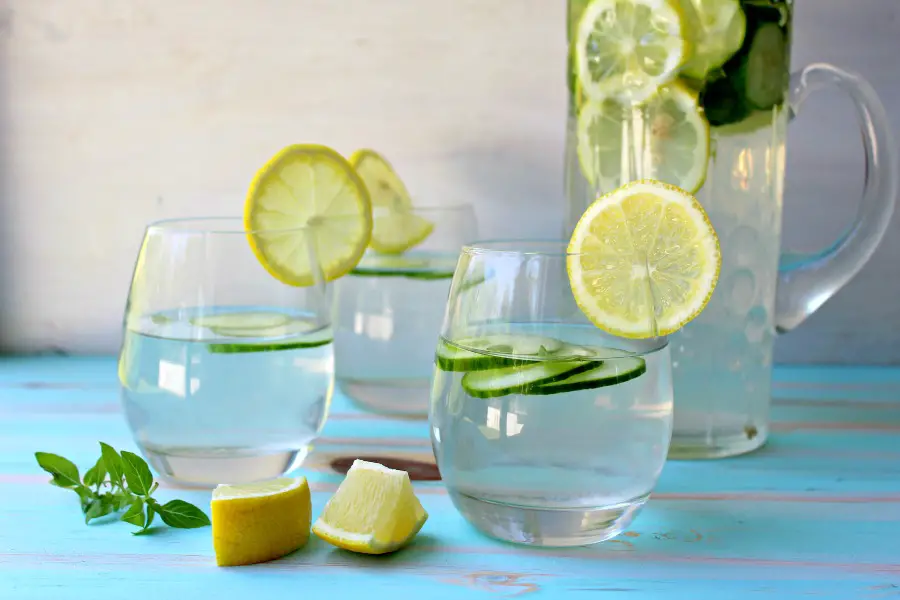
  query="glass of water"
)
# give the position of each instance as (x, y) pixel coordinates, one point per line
(546, 430)
(389, 316)
(226, 373)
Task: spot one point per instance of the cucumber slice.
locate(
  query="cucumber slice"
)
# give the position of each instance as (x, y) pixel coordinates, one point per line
(242, 348)
(242, 320)
(723, 103)
(319, 338)
(765, 69)
(295, 327)
(485, 351)
(611, 372)
(521, 379)
(411, 267)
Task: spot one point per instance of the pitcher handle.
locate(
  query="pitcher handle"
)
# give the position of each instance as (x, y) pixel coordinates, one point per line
(805, 284)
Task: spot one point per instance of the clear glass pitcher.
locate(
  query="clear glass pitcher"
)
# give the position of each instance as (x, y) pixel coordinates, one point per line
(715, 123)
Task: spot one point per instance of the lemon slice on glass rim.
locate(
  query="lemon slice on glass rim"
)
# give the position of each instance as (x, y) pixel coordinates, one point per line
(396, 226)
(313, 187)
(643, 260)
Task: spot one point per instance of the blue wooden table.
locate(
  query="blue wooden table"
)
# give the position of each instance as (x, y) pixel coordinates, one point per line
(816, 513)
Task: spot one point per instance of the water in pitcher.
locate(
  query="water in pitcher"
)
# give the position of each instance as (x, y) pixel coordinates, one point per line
(722, 360)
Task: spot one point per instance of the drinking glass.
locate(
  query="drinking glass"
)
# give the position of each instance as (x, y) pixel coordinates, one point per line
(389, 316)
(226, 373)
(546, 430)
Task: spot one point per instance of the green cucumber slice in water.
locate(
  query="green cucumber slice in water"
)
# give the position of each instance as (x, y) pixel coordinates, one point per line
(512, 350)
(764, 71)
(242, 348)
(242, 320)
(521, 379)
(315, 339)
(611, 372)
(294, 327)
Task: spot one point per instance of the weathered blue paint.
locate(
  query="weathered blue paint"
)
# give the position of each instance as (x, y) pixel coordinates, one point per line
(816, 513)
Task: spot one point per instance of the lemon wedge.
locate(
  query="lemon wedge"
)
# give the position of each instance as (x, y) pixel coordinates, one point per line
(644, 260)
(629, 48)
(396, 227)
(666, 138)
(373, 511)
(256, 522)
(313, 187)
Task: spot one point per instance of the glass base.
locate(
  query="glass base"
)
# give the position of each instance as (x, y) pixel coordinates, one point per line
(395, 397)
(208, 467)
(548, 527)
(690, 446)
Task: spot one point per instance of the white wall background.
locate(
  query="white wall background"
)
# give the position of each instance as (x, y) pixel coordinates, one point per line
(117, 112)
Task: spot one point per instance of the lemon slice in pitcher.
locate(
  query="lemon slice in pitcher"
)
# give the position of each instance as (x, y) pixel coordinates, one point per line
(629, 48)
(396, 227)
(666, 138)
(716, 31)
(645, 249)
(313, 187)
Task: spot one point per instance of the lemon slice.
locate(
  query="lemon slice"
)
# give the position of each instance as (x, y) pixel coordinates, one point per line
(716, 31)
(315, 187)
(256, 522)
(666, 139)
(396, 226)
(629, 48)
(643, 227)
(373, 511)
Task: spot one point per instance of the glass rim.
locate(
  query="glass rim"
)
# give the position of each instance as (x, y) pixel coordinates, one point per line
(555, 247)
(184, 225)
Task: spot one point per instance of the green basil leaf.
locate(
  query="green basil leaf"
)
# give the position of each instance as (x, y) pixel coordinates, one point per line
(151, 512)
(182, 515)
(99, 508)
(137, 473)
(96, 474)
(113, 464)
(135, 513)
(65, 473)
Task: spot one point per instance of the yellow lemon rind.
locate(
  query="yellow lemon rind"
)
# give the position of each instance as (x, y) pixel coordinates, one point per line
(573, 251)
(365, 214)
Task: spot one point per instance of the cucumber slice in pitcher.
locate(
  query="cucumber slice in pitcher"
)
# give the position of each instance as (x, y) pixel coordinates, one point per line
(492, 351)
(521, 379)
(610, 372)
(765, 70)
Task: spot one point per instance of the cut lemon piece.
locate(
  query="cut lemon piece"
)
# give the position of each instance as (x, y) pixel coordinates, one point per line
(629, 48)
(313, 187)
(373, 511)
(716, 31)
(666, 139)
(396, 226)
(256, 522)
(645, 227)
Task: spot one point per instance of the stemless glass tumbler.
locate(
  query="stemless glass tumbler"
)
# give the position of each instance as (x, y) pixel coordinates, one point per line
(226, 373)
(546, 430)
(389, 315)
